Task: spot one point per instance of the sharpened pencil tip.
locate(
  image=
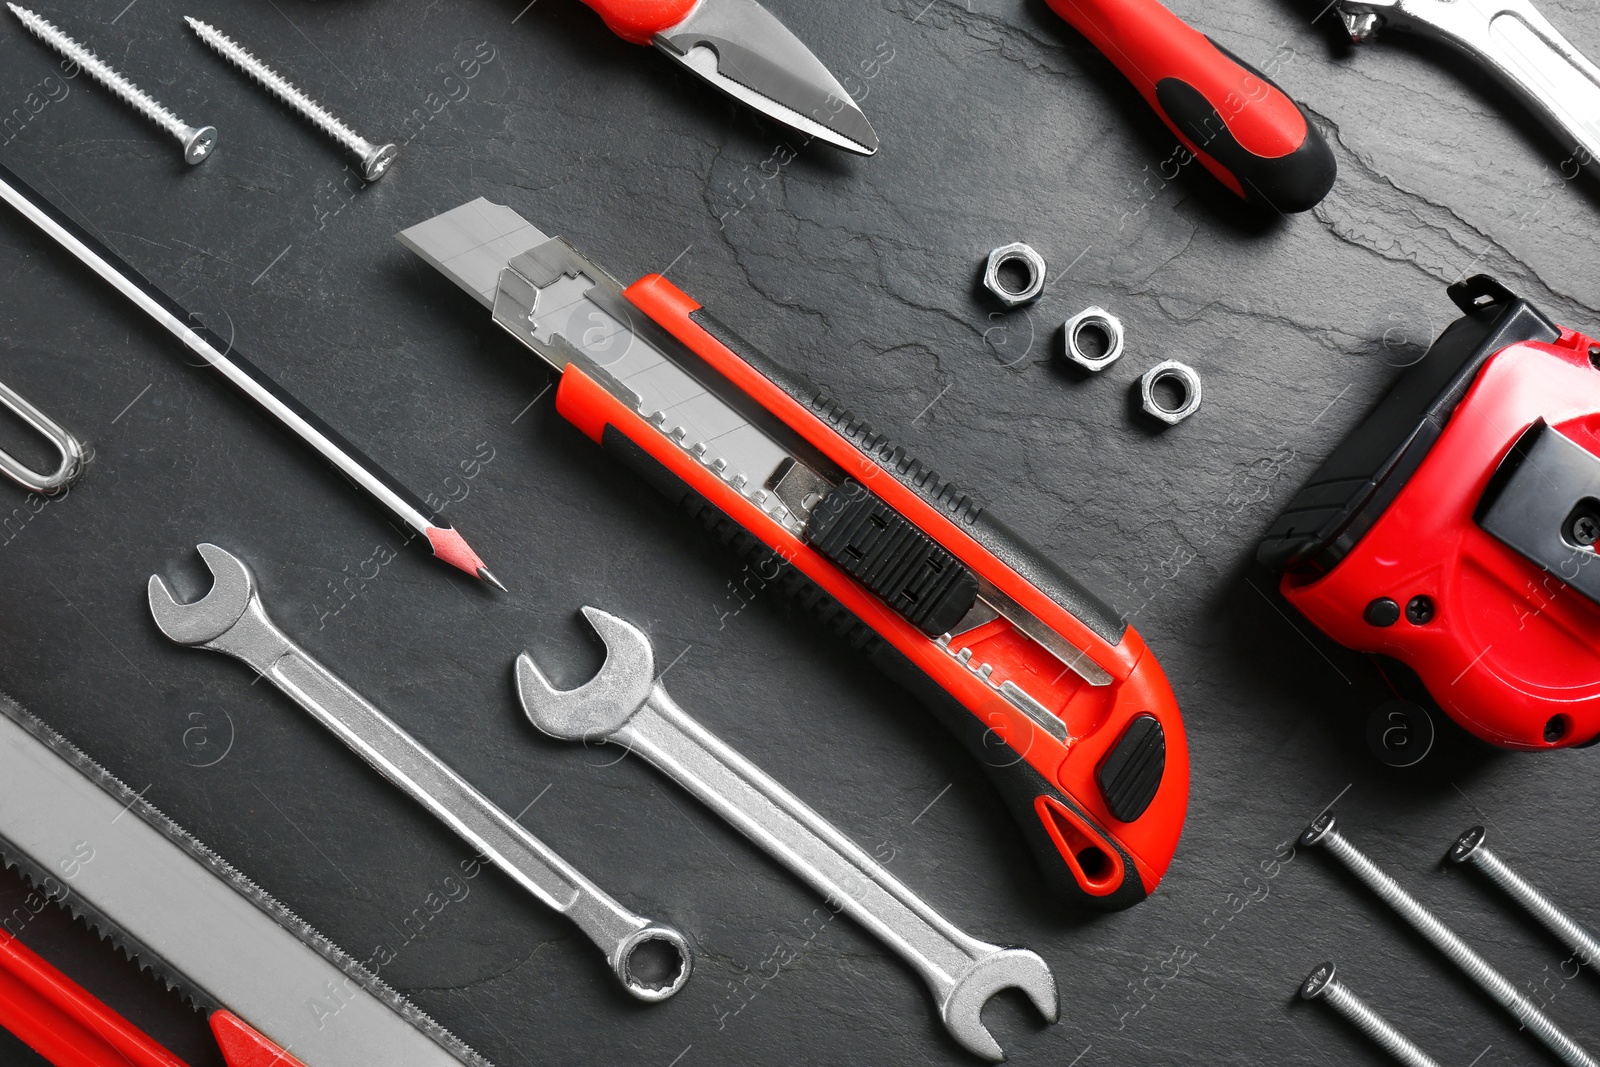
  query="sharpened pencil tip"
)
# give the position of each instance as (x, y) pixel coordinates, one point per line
(486, 575)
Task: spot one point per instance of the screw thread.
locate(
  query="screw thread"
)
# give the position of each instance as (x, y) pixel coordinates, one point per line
(1541, 907)
(1376, 1027)
(1458, 951)
(97, 69)
(279, 86)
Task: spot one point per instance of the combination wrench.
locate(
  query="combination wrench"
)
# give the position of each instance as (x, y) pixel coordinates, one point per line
(1513, 41)
(651, 960)
(625, 705)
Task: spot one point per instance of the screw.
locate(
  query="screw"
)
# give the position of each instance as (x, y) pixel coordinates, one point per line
(375, 159)
(1470, 850)
(1586, 530)
(1321, 985)
(1322, 833)
(197, 142)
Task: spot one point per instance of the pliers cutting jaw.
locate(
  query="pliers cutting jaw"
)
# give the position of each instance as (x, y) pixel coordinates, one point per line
(1513, 41)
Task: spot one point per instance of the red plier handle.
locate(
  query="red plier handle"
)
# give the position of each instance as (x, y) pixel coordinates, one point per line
(71, 1027)
(1235, 119)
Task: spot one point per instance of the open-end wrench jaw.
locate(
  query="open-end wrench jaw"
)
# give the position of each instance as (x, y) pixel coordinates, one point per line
(204, 620)
(1011, 968)
(604, 704)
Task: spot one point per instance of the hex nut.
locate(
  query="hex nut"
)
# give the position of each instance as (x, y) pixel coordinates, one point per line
(1031, 261)
(1188, 383)
(1099, 320)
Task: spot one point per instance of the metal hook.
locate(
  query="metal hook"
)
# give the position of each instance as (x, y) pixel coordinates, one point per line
(70, 449)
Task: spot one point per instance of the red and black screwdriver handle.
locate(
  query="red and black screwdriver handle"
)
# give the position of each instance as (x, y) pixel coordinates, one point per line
(71, 1027)
(1096, 775)
(1236, 120)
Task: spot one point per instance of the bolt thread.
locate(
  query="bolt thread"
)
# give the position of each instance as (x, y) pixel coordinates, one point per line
(1458, 951)
(97, 69)
(279, 86)
(1375, 1026)
(1541, 907)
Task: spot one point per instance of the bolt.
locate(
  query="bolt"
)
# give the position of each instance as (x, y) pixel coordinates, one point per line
(1470, 850)
(375, 159)
(1321, 985)
(1321, 833)
(197, 141)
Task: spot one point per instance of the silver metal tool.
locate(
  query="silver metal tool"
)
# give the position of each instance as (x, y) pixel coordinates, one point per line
(1092, 320)
(626, 706)
(97, 848)
(1470, 850)
(652, 961)
(1513, 42)
(1322, 985)
(69, 448)
(739, 47)
(198, 141)
(375, 159)
(1322, 834)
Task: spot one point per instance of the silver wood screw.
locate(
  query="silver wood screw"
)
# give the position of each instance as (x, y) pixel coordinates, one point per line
(375, 159)
(197, 141)
(1321, 833)
(1321, 985)
(1470, 850)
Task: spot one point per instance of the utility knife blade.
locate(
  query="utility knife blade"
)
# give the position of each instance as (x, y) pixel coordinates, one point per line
(91, 844)
(1055, 694)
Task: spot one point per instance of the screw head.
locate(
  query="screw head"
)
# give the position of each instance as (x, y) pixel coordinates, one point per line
(377, 164)
(1585, 530)
(1317, 981)
(1419, 610)
(1320, 827)
(198, 144)
(1466, 845)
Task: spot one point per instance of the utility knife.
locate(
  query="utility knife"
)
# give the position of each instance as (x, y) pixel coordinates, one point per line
(1049, 688)
(738, 46)
(275, 992)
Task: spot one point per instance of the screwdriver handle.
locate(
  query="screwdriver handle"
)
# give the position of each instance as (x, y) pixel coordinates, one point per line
(639, 21)
(1236, 120)
(1057, 698)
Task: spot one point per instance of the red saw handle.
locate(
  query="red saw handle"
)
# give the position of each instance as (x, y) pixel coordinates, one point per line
(640, 20)
(1235, 119)
(71, 1027)
(1091, 759)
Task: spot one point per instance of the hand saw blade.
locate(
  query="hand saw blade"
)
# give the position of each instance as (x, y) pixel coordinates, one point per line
(90, 843)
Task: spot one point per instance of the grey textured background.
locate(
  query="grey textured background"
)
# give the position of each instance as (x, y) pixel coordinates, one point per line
(999, 124)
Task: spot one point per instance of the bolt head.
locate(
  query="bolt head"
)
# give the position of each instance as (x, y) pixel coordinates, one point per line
(1320, 827)
(377, 164)
(1031, 261)
(1317, 982)
(198, 145)
(1467, 844)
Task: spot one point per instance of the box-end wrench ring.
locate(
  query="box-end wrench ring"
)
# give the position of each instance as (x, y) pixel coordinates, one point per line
(652, 961)
(625, 705)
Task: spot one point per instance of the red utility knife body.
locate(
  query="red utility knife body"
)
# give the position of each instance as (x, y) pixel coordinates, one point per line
(1235, 119)
(1056, 696)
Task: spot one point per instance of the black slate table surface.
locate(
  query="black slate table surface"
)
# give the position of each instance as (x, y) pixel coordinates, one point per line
(998, 124)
